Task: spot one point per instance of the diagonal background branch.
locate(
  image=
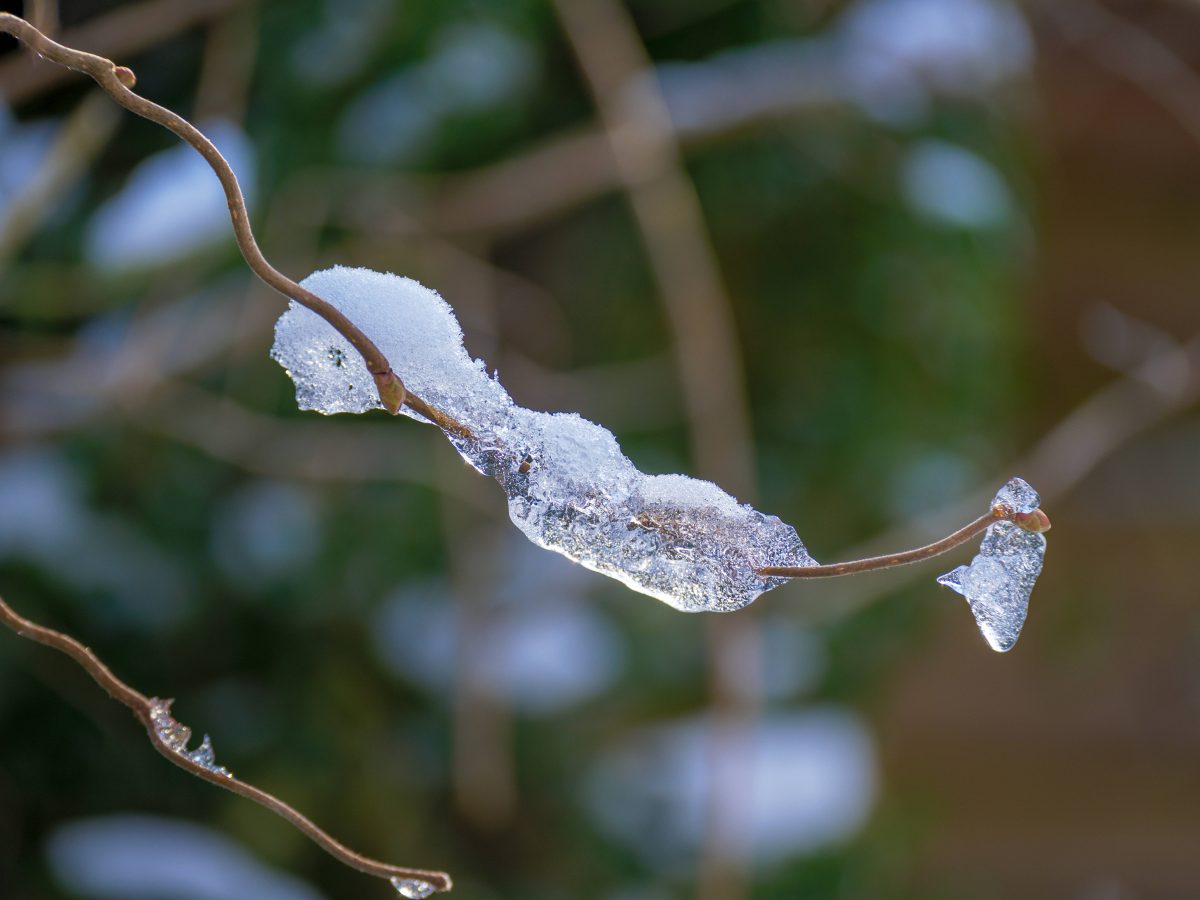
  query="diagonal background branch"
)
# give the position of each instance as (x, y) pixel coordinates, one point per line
(669, 219)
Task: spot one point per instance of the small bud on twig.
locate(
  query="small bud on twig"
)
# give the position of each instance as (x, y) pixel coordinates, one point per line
(1036, 521)
(125, 75)
(391, 390)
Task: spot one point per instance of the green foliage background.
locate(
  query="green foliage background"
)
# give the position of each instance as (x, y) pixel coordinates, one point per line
(893, 363)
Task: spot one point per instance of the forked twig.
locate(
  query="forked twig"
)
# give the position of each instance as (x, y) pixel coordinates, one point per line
(116, 82)
(150, 712)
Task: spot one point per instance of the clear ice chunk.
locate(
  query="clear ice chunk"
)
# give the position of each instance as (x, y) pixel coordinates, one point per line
(176, 736)
(413, 888)
(1018, 496)
(999, 580)
(570, 488)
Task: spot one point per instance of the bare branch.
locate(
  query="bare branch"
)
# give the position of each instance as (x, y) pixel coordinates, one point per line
(149, 711)
(125, 30)
(1034, 521)
(117, 81)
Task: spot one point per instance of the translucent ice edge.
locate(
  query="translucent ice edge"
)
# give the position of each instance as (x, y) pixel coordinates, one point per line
(570, 488)
(413, 888)
(1000, 578)
(1018, 496)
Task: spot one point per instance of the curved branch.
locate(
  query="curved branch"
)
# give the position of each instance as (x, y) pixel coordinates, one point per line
(890, 560)
(116, 82)
(150, 711)
(1034, 521)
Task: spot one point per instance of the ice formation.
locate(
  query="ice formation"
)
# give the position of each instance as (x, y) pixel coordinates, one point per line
(1017, 495)
(1000, 578)
(176, 736)
(413, 888)
(569, 486)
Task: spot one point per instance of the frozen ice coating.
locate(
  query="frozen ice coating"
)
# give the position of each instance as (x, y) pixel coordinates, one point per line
(682, 540)
(1000, 578)
(1018, 496)
(176, 736)
(413, 888)
(569, 486)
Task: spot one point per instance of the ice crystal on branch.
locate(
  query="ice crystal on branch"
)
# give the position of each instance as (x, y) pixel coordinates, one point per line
(998, 582)
(1018, 496)
(569, 486)
(175, 735)
(413, 888)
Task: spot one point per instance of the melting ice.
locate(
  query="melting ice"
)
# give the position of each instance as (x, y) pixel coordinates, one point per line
(1000, 578)
(569, 486)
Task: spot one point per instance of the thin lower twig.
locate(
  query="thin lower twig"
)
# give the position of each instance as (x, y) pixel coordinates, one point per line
(149, 712)
(116, 81)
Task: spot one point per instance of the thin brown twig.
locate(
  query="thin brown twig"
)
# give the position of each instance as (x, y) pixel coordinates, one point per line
(1107, 421)
(128, 29)
(889, 560)
(1034, 521)
(117, 81)
(144, 707)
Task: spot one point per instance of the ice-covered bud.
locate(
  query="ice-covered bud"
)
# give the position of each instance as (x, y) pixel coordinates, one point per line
(1016, 497)
(999, 580)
